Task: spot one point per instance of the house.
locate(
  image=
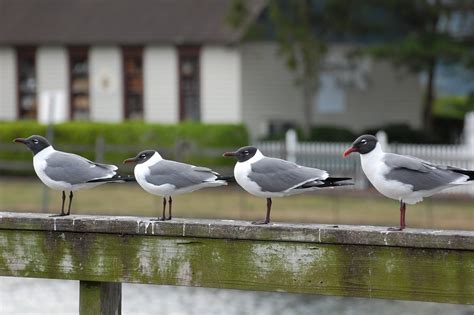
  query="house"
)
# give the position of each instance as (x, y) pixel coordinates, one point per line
(167, 61)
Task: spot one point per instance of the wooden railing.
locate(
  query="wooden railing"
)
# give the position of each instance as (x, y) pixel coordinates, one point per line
(361, 261)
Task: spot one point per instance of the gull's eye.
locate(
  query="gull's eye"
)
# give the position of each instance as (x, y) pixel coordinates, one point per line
(35, 141)
(246, 152)
(142, 156)
(363, 141)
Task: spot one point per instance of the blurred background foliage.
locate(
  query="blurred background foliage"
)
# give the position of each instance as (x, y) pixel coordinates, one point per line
(195, 143)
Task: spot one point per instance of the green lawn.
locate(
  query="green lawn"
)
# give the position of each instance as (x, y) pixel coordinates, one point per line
(333, 206)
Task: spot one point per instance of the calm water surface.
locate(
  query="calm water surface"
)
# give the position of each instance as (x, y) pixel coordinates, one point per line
(39, 296)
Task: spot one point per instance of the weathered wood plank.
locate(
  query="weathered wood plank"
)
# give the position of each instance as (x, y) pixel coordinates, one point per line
(392, 272)
(100, 298)
(233, 229)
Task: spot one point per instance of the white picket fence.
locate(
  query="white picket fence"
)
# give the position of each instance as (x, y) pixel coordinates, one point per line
(328, 155)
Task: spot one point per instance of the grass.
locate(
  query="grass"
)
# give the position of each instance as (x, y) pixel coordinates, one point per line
(342, 206)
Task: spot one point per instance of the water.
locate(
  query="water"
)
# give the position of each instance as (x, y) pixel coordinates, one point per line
(40, 296)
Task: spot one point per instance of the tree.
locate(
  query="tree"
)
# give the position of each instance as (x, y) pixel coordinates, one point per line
(303, 50)
(418, 34)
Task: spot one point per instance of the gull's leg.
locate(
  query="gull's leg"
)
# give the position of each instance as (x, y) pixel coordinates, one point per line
(62, 207)
(170, 204)
(403, 207)
(267, 217)
(402, 219)
(163, 217)
(70, 202)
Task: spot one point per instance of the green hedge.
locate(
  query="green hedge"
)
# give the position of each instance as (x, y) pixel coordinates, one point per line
(319, 133)
(142, 135)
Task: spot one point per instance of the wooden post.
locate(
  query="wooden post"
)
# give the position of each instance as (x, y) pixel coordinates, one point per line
(100, 298)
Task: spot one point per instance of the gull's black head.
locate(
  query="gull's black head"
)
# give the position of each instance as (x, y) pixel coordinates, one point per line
(243, 154)
(141, 157)
(364, 144)
(35, 143)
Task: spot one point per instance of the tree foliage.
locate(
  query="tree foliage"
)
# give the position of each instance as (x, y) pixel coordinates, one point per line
(417, 34)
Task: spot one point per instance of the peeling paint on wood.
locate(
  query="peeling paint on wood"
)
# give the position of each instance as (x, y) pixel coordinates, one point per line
(317, 259)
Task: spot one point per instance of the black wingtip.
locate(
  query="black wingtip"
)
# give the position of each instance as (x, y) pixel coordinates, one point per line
(229, 179)
(117, 178)
(329, 182)
(464, 172)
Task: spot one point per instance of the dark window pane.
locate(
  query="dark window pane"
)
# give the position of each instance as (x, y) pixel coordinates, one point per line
(189, 97)
(27, 100)
(79, 76)
(133, 82)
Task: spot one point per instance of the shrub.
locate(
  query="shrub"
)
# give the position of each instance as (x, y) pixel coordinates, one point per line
(138, 134)
(331, 134)
(318, 133)
(402, 133)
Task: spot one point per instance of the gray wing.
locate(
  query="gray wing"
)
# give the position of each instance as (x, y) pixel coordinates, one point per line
(422, 175)
(74, 169)
(275, 175)
(178, 174)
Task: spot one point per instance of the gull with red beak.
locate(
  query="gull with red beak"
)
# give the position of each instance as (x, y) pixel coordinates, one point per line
(268, 177)
(167, 178)
(404, 178)
(66, 171)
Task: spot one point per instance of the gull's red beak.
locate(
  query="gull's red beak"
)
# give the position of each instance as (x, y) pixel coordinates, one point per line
(130, 160)
(229, 154)
(349, 151)
(20, 140)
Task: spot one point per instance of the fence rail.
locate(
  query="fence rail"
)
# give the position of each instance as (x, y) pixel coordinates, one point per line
(361, 261)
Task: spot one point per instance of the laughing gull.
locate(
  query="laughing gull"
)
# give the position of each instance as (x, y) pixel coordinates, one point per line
(167, 178)
(404, 178)
(66, 171)
(270, 177)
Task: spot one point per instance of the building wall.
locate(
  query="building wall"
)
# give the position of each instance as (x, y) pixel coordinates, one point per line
(220, 85)
(372, 94)
(8, 96)
(268, 89)
(378, 94)
(52, 75)
(160, 66)
(106, 79)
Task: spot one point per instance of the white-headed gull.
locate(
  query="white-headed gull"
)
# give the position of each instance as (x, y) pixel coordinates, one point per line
(404, 178)
(271, 177)
(66, 171)
(167, 178)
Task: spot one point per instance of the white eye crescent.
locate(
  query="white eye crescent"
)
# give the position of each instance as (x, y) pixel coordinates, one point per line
(35, 141)
(363, 141)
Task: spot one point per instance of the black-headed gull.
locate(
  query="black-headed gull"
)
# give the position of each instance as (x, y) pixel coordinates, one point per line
(404, 178)
(271, 177)
(167, 178)
(66, 171)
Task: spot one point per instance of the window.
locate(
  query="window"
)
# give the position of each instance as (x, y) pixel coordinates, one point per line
(189, 98)
(26, 72)
(133, 82)
(79, 80)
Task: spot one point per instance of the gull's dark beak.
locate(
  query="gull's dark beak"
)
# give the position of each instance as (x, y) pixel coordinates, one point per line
(349, 151)
(229, 154)
(20, 140)
(130, 160)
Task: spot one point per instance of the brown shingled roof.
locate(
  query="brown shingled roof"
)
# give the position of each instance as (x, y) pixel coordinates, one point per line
(118, 21)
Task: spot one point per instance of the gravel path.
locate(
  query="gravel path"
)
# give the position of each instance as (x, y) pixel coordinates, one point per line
(39, 296)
